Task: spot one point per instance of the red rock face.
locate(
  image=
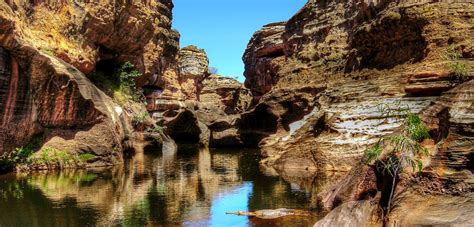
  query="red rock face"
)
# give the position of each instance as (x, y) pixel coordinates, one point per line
(16, 124)
(45, 92)
(11, 74)
(42, 95)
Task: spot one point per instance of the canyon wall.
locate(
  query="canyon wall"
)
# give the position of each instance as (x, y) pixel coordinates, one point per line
(199, 107)
(320, 82)
(49, 53)
(320, 78)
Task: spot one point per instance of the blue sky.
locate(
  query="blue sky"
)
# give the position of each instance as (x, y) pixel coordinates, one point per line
(224, 27)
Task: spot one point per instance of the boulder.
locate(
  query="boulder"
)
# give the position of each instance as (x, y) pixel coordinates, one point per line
(357, 213)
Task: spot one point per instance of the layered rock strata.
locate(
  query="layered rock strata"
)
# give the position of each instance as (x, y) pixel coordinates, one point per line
(46, 48)
(200, 108)
(360, 55)
(365, 56)
(222, 100)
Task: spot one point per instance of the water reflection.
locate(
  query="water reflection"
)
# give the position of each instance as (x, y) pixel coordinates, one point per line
(190, 187)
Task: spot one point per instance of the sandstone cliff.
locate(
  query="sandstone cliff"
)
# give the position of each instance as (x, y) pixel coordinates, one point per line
(222, 100)
(47, 52)
(340, 60)
(320, 78)
(197, 107)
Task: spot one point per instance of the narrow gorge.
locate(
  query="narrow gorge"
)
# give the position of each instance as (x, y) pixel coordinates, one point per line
(352, 113)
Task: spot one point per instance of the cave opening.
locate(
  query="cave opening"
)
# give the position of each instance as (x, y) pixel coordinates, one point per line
(105, 75)
(255, 126)
(273, 53)
(152, 90)
(108, 66)
(184, 129)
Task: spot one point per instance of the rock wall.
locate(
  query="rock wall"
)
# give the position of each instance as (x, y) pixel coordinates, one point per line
(197, 107)
(264, 52)
(48, 49)
(342, 59)
(451, 120)
(83, 33)
(222, 100)
(363, 55)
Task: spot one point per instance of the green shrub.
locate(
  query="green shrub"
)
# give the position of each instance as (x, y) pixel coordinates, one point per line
(458, 69)
(373, 152)
(20, 154)
(415, 128)
(156, 129)
(140, 117)
(455, 66)
(393, 153)
(50, 155)
(451, 54)
(121, 84)
(405, 145)
(17, 156)
(86, 157)
(127, 74)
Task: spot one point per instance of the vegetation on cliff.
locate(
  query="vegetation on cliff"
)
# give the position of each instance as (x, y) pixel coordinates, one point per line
(20, 155)
(394, 153)
(119, 83)
(31, 156)
(456, 67)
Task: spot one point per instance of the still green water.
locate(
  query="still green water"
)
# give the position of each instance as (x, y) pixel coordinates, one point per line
(191, 188)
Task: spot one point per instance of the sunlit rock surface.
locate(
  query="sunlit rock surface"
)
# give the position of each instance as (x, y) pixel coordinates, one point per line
(222, 99)
(83, 32)
(262, 56)
(361, 55)
(46, 48)
(359, 213)
(225, 94)
(415, 209)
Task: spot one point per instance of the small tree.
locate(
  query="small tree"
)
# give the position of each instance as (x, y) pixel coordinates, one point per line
(127, 75)
(395, 153)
